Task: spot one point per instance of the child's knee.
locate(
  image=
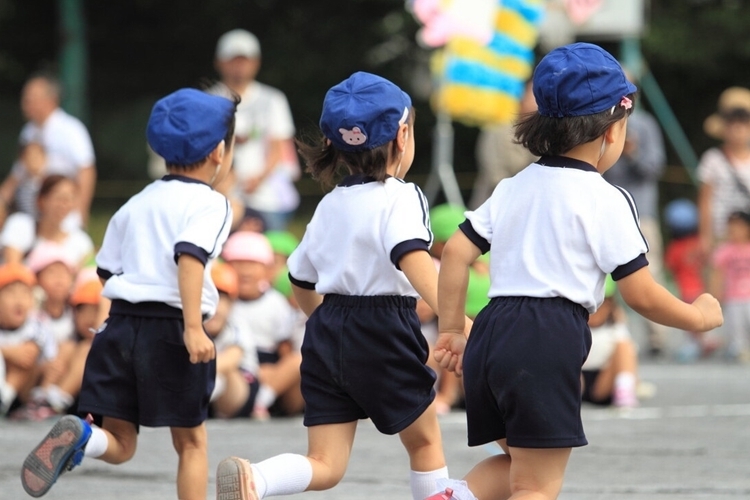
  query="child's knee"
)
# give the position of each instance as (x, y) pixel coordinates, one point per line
(186, 440)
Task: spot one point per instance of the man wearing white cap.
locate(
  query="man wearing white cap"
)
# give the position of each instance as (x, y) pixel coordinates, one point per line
(265, 162)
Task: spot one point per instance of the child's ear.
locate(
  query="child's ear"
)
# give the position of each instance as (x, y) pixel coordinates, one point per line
(217, 155)
(402, 137)
(614, 131)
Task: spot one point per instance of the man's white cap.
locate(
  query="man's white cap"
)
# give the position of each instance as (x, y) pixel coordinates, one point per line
(237, 43)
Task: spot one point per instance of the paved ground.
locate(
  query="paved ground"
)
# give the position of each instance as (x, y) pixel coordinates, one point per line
(691, 441)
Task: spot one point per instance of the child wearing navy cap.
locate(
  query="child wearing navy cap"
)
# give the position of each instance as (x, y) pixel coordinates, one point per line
(357, 273)
(554, 232)
(152, 363)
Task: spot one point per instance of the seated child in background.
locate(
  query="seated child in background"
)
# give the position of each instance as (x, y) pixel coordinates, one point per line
(683, 258)
(57, 393)
(236, 355)
(29, 173)
(730, 282)
(609, 373)
(22, 333)
(283, 244)
(265, 312)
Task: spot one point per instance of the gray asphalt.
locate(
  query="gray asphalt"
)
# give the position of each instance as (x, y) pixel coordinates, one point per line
(690, 441)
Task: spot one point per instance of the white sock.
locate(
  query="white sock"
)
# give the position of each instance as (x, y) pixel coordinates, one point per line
(7, 394)
(59, 399)
(424, 484)
(625, 381)
(266, 396)
(97, 445)
(283, 474)
(220, 386)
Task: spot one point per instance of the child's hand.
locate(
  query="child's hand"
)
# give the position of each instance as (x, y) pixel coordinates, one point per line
(449, 351)
(710, 310)
(198, 345)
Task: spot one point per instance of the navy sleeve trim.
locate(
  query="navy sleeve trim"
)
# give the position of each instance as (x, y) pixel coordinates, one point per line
(633, 211)
(482, 244)
(302, 284)
(103, 273)
(627, 269)
(185, 248)
(406, 247)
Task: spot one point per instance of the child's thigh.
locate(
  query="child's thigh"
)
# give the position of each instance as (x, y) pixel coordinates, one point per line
(538, 469)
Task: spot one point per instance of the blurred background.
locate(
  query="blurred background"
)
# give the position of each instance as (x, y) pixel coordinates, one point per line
(116, 58)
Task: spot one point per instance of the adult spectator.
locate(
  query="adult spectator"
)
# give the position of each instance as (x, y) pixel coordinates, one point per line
(265, 161)
(498, 155)
(724, 171)
(638, 170)
(66, 145)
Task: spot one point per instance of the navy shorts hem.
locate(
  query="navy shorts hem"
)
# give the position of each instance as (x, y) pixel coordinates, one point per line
(532, 442)
(98, 411)
(407, 421)
(330, 419)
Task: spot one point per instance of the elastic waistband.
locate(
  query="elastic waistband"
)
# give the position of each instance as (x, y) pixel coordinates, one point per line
(144, 309)
(370, 300)
(542, 301)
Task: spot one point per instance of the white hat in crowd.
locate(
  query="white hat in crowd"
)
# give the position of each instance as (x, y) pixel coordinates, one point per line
(237, 43)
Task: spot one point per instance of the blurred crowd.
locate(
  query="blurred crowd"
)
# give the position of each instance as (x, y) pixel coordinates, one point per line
(50, 294)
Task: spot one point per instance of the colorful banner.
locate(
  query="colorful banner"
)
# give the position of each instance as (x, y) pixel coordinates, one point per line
(480, 83)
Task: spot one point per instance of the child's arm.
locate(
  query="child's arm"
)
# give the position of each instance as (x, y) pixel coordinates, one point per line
(308, 300)
(23, 355)
(229, 359)
(654, 302)
(716, 282)
(421, 272)
(190, 280)
(459, 253)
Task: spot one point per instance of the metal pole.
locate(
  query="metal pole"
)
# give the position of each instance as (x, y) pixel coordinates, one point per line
(442, 163)
(73, 58)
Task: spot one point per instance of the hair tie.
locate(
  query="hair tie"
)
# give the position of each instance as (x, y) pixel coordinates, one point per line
(626, 102)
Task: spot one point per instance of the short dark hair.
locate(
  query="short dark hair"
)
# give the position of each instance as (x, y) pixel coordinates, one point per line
(550, 136)
(231, 122)
(50, 79)
(325, 162)
(50, 182)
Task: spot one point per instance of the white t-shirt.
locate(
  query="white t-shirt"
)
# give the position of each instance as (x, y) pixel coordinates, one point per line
(67, 146)
(269, 318)
(19, 232)
(263, 115)
(715, 170)
(357, 236)
(604, 340)
(169, 217)
(556, 229)
(233, 335)
(63, 327)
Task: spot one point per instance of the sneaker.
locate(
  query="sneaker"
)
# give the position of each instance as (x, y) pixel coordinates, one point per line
(60, 451)
(34, 411)
(447, 494)
(624, 398)
(234, 480)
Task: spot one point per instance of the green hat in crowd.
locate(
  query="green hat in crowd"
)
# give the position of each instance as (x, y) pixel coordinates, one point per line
(476, 293)
(444, 220)
(282, 283)
(282, 242)
(609, 287)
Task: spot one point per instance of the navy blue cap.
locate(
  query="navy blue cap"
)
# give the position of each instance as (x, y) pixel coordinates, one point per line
(577, 80)
(363, 112)
(187, 125)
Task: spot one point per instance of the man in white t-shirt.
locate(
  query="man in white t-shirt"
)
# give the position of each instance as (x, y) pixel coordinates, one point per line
(265, 160)
(66, 143)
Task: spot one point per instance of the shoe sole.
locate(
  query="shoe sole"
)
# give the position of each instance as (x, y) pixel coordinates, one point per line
(47, 461)
(234, 480)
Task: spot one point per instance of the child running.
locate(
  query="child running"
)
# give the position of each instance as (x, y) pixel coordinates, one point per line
(357, 273)
(155, 259)
(554, 231)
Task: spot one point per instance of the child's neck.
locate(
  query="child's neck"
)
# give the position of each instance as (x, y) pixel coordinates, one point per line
(738, 151)
(589, 153)
(50, 230)
(54, 308)
(204, 173)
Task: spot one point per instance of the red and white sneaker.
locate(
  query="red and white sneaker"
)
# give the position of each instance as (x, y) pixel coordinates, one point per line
(446, 494)
(234, 480)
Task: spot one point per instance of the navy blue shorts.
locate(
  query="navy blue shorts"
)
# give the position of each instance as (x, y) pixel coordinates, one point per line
(589, 379)
(139, 370)
(522, 373)
(364, 357)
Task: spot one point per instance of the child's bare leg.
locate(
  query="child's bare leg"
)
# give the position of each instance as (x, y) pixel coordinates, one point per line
(72, 379)
(624, 360)
(490, 478)
(234, 396)
(423, 442)
(329, 448)
(122, 438)
(537, 473)
(191, 444)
